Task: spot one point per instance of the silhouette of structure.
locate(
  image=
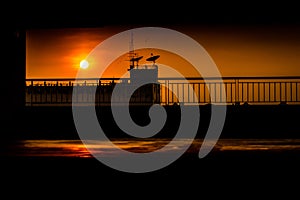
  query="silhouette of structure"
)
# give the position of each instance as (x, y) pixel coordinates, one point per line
(59, 91)
(238, 90)
(148, 93)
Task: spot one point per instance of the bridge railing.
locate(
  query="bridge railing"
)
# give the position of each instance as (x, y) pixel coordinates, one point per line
(169, 91)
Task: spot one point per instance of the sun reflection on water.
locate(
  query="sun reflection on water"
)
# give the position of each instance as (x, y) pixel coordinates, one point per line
(75, 148)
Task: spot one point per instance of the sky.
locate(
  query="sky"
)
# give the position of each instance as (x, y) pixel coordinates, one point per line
(249, 50)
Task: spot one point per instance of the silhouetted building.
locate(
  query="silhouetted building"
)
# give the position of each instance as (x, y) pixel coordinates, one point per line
(148, 93)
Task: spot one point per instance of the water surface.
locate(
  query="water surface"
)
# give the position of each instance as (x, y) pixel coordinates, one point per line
(75, 148)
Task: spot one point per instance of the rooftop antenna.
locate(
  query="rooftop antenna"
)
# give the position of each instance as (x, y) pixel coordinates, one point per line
(131, 48)
(132, 55)
(131, 51)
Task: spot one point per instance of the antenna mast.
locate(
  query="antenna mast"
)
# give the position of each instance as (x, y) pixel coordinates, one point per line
(131, 52)
(132, 56)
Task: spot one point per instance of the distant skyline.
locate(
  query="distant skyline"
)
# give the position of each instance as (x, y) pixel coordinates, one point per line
(252, 50)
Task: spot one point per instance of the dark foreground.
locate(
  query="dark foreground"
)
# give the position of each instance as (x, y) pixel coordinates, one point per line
(241, 174)
(249, 173)
(232, 172)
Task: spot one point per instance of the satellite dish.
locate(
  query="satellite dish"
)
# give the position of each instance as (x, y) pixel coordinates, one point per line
(153, 58)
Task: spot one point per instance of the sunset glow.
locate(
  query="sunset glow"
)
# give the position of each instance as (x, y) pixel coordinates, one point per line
(237, 51)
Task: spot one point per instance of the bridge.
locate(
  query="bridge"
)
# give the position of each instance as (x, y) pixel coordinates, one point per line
(168, 91)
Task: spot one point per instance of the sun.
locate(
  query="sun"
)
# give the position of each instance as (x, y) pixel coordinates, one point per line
(84, 64)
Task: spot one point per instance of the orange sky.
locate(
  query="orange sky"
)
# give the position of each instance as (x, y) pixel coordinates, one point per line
(236, 50)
